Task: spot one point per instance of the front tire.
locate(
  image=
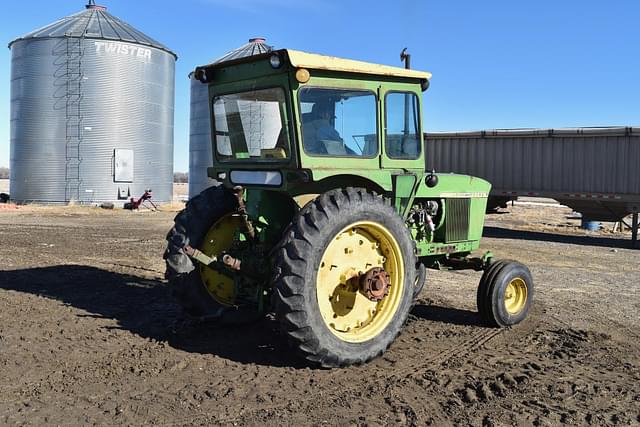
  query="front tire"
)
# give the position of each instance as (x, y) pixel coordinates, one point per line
(325, 252)
(421, 280)
(505, 293)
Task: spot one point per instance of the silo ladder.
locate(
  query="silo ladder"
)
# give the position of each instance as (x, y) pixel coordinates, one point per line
(74, 53)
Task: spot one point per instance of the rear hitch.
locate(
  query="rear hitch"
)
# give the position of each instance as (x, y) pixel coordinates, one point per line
(199, 256)
(236, 265)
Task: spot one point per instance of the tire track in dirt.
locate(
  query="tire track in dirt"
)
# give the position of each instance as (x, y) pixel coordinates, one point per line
(475, 341)
(469, 345)
(523, 380)
(555, 378)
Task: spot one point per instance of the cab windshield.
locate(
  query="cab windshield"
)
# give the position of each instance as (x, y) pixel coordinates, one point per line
(251, 125)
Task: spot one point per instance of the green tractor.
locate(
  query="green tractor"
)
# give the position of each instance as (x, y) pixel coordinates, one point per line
(325, 214)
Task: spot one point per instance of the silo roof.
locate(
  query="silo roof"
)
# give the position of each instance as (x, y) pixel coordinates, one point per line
(255, 46)
(94, 23)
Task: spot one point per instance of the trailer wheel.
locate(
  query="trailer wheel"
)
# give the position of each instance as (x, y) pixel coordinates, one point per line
(344, 278)
(505, 293)
(192, 285)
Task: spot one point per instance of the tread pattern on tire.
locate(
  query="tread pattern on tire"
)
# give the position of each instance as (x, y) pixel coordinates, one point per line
(482, 299)
(293, 262)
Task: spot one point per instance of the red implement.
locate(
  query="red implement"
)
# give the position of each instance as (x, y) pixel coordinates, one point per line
(134, 203)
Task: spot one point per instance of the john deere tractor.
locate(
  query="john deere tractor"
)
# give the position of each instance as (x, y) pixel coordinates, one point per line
(325, 214)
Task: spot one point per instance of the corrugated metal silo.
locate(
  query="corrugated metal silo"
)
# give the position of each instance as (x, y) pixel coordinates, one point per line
(92, 107)
(200, 154)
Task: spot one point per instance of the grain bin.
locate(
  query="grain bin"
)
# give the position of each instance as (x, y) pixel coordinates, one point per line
(200, 154)
(92, 106)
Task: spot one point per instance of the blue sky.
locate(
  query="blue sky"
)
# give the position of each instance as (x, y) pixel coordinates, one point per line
(495, 64)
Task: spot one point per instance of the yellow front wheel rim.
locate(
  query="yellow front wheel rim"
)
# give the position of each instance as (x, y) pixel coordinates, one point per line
(356, 249)
(219, 239)
(515, 296)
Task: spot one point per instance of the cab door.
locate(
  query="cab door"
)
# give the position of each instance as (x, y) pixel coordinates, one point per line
(401, 134)
(402, 141)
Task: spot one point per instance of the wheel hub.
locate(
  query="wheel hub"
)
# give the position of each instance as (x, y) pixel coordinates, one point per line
(515, 296)
(374, 284)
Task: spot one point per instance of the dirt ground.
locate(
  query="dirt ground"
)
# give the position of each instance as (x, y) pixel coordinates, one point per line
(89, 334)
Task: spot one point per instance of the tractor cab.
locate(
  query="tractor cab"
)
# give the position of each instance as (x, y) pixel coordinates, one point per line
(287, 119)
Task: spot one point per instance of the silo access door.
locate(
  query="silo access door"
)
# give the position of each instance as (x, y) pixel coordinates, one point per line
(122, 165)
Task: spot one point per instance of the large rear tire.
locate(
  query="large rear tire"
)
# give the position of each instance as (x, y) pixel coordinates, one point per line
(191, 225)
(319, 269)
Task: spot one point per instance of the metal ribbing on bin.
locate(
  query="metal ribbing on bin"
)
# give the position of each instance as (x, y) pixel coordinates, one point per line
(84, 89)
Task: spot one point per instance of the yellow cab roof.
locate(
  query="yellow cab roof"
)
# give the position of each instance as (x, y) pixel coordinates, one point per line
(314, 61)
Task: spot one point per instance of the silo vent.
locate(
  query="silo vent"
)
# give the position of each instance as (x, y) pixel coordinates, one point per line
(92, 5)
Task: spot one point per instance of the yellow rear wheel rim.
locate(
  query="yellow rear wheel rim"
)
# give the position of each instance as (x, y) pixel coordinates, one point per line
(219, 239)
(515, 296)
(346, 312)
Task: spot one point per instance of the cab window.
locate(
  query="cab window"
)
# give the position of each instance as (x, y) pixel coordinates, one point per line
(251, 125)
(338, 122)
(402, 136)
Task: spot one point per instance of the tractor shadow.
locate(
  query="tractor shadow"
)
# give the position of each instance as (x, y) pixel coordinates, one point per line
(606, 242)
(448, 315)
(146, 308)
